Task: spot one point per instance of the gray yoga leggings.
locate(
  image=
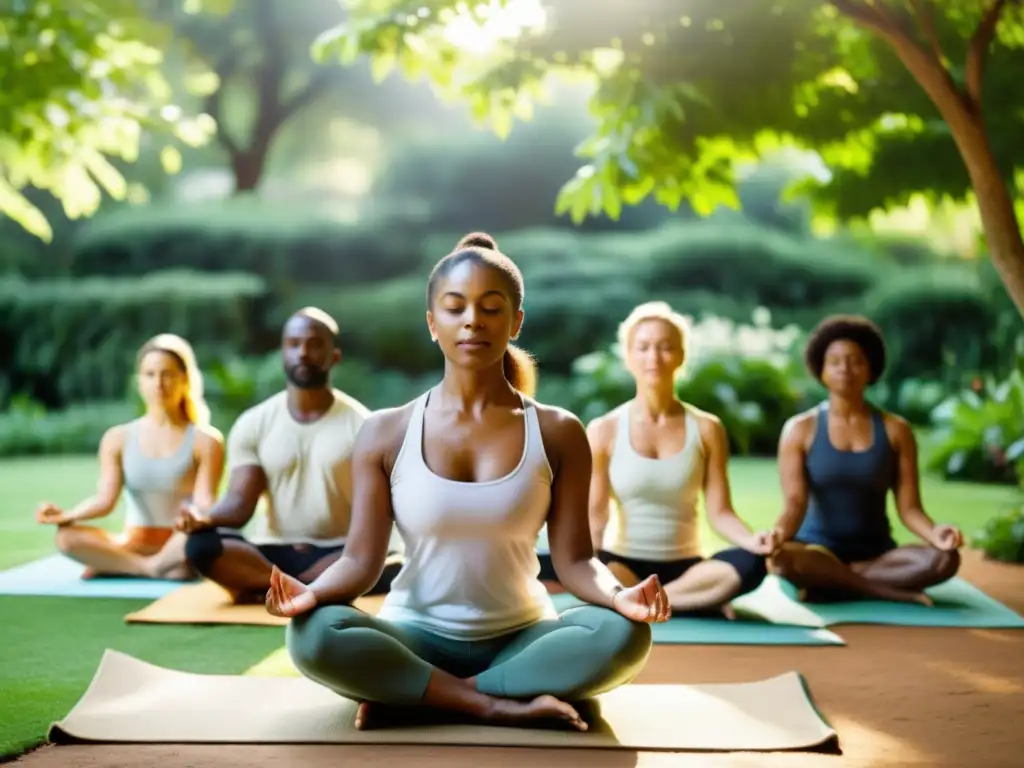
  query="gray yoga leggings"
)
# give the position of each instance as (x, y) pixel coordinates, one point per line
(586, 651)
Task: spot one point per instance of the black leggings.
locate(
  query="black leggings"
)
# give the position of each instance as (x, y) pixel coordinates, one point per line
(204, 548)
(751, 568)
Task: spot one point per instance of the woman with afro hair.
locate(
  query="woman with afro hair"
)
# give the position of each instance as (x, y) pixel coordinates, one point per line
(838, 462)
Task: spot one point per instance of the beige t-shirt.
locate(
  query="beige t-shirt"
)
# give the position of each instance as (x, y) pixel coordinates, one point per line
(308, 468)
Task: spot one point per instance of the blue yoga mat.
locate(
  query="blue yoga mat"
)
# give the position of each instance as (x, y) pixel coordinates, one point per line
(746, 629)
(59, 576)
(957, 604)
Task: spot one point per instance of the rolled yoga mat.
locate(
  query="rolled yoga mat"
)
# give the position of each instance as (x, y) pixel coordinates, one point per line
(957, 604)
(131, 701)
(59, 576)
(749, 628)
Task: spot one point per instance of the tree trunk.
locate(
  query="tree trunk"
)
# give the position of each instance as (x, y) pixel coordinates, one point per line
(998, 217)
(964, 114)
(248, 168)
(995, 205)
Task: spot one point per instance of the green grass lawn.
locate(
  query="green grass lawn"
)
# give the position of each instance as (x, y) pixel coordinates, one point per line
(51, 646)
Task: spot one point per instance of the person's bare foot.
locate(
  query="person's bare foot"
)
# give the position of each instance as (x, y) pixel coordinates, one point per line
(729, 612)
(180, 572)
(838, 596)
(904, 596)
(546, 707)
(920, 598)
(363, 716)
(502, 712)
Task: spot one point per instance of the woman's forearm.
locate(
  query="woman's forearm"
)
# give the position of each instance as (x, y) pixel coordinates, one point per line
(731, 526)
(90, 509)
(589, 580)
(791, 518)
(343, 581)
(598, 524)
(919, 523)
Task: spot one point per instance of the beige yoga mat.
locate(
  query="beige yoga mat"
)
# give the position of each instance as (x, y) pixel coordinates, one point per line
(209, 603)
(131, 701)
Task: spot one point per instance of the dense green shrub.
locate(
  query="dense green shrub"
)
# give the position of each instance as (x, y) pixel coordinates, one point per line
(70, 341)
(283, 243)
(758, 267)
(30, 430)
(1002, 537)
(979, 435)
(913, 399)
(937, 324)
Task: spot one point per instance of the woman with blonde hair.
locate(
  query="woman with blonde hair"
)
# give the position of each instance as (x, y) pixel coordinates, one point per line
(167, 457)
(654, 457)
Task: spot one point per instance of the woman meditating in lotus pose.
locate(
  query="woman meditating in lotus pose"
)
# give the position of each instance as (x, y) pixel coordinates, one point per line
(838, 463)
(469, 472)
(167, 457)
(654, 456)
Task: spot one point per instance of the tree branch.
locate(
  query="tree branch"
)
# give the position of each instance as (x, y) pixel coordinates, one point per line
(978, 51)
(269, 76)
(930, 73)
(225, 69)
(924, 16)
(869, 16)
(317, 84)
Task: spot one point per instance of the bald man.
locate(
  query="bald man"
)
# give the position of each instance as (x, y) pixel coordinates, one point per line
(293, 449)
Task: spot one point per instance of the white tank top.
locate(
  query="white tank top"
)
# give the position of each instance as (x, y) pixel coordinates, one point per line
(656, 514)
(470, 567)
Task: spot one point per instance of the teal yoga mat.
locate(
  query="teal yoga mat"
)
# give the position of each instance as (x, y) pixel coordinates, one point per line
(957, 604)
(59, 576)
(747, 629)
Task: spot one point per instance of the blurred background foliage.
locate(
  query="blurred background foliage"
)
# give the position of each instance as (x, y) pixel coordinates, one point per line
(238, 178)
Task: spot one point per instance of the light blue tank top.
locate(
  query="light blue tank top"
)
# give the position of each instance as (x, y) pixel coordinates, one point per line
(154, 489)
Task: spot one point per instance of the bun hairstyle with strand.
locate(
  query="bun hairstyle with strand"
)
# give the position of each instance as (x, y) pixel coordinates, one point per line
(193, 404)
(480, 248)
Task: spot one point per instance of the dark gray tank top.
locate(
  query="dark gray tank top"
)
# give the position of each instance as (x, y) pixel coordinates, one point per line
(848, 490)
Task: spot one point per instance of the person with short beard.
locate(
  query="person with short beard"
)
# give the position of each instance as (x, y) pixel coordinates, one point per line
(293, 449)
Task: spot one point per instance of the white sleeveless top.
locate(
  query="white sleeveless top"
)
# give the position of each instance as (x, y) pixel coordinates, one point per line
(470, 569)
(656, 515)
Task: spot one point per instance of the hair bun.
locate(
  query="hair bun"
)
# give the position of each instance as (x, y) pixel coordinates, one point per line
(478, 240)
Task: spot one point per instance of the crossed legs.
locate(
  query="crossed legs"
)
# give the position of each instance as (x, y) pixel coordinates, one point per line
(526, 675)
(244, 569)
(900, 574)
(696, 586)
(154, 553)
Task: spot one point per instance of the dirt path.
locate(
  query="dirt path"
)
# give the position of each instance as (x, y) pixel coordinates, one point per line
(897, 696)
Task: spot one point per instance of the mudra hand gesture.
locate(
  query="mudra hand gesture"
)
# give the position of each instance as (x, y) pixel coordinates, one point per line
(764, 542)
(646, 602)
(288, 596)
(51, 514)
(947, 537)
